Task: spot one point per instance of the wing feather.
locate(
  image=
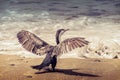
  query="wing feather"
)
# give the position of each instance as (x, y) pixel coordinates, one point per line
(33, 43)
(69, 45)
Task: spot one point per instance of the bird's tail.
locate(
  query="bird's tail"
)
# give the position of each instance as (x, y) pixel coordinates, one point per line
(38, 67)
(46, 62)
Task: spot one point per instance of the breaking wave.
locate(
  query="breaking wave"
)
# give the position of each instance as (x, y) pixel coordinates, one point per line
(98, 24)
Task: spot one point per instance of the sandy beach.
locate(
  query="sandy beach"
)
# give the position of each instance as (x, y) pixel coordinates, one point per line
(19, 68)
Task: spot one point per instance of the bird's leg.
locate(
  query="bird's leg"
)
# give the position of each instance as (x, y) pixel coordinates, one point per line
(54, 62)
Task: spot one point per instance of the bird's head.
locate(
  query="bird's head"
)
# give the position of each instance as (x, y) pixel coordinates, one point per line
(62, 31)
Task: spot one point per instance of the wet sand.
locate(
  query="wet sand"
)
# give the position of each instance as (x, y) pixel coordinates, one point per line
(19, 68)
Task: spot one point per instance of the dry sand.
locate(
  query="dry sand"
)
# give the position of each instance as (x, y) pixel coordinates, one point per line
(18, 68)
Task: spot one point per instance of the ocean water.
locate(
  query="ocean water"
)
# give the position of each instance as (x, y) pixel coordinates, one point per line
(96, 20)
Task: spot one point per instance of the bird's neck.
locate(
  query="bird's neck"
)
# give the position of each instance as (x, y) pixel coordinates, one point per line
(58, 38)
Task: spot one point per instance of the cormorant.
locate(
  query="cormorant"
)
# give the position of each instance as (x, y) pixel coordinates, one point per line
(37, 46)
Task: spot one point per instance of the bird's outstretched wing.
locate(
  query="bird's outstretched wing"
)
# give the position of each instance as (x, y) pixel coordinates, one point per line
(69, 44)
(33, 43)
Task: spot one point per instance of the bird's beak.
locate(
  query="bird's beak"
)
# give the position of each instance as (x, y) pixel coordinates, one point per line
(67, 30)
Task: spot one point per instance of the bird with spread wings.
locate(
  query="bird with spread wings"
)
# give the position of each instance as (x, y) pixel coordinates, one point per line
(35, 45)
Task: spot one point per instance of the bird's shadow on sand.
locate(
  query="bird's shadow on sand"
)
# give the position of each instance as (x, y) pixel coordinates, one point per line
(69, 72)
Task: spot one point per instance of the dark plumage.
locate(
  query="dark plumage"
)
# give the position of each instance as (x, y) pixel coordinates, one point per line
(37, 46)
